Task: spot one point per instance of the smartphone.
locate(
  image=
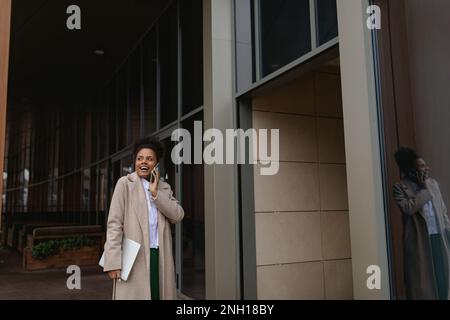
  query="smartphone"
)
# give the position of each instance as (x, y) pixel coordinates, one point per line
(156, 168)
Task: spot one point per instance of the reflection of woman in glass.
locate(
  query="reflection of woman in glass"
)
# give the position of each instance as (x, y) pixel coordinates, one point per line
(142, 209)
(426, 226)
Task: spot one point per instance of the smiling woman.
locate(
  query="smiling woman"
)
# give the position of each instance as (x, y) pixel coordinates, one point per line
(142, 209)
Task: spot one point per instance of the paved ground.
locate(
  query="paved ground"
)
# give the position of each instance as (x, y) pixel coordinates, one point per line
(49, 284)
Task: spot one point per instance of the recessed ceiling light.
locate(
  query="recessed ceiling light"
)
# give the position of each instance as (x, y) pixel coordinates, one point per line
(99, 52)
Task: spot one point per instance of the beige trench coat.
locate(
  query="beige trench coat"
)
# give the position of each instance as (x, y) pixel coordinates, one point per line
(128, 217)
(418, 266)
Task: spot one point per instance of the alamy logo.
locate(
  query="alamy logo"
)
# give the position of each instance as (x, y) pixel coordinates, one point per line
(221, 148)
(374, 280)
(74, 20)
(74, 281)
(374, 20)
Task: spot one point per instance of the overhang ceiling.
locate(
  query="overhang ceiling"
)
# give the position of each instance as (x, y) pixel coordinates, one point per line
(50, 64)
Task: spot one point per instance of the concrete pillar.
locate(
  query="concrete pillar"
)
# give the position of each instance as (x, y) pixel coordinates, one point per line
(5, 25)
(221, 222)
(364, 176)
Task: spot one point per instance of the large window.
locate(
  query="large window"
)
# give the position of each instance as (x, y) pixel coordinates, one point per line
(135, 95)
(122, 106)
(326, 20)
(271, 34)
(150, 76)
(192, 52)
(168, 64)
(285, 32)
(193, 238)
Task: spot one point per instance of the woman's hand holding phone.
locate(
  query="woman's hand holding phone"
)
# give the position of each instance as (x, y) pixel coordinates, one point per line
(154, 181)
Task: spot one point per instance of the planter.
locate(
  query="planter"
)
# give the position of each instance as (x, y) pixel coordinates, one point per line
(84, 256)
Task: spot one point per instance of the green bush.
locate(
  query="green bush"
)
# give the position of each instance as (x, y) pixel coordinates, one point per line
(45, 249)
(52, 247)
(75, 243)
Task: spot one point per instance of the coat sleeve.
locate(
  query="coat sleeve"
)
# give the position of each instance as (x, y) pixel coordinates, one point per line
(169, 206)
(114, 233)
(444, 208)
(410, 205)
(445, 214)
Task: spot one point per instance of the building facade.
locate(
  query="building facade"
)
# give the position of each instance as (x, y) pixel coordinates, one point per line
(344, 96)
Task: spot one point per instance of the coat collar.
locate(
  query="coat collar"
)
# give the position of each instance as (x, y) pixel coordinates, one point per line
(133, 177)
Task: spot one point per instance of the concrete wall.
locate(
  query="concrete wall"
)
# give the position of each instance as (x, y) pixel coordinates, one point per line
(429, 52)
(302, 222)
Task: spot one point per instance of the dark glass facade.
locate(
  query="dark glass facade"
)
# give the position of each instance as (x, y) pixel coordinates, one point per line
(62, 160)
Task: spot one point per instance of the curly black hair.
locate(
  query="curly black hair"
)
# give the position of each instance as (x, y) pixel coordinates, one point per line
(149, 143)
(406, 159)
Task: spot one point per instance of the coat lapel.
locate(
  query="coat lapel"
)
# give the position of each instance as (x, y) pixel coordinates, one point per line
(139, 203)
(161, 219)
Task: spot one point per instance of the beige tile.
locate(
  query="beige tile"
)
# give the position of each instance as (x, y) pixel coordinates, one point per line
(338, 280)
(335, 235)
(331, 140)
(288, 237)
(295, 97)
(328, 95)
(291, 282)
(294, 188)
(297, 141)
(333, 187)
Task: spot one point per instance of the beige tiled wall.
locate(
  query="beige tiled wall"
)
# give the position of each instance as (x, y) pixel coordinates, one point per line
(302, 224)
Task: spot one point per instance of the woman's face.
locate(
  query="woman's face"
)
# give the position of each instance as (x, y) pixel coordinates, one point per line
(422, 166)
(145, 162)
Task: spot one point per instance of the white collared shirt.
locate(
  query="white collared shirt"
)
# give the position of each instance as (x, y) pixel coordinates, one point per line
(152, 215)
(430, 218)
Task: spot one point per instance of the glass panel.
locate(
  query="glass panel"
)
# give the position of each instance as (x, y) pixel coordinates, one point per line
(103, 126)
(86, 190)
(192, 48)
(168, 173)
(122, 106)
(93, 196)
(167, 167)
(90, 149)
(54, 196)
(127, 165)
(102, 193)
(326, 20)
(150, 82)
(193, 225)
(112, 110)
(61, 193)
(285, 32)
(168, 64)
(114, 176)
(135, 95)
(244, 48)
(78, 179)
(78, 140)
